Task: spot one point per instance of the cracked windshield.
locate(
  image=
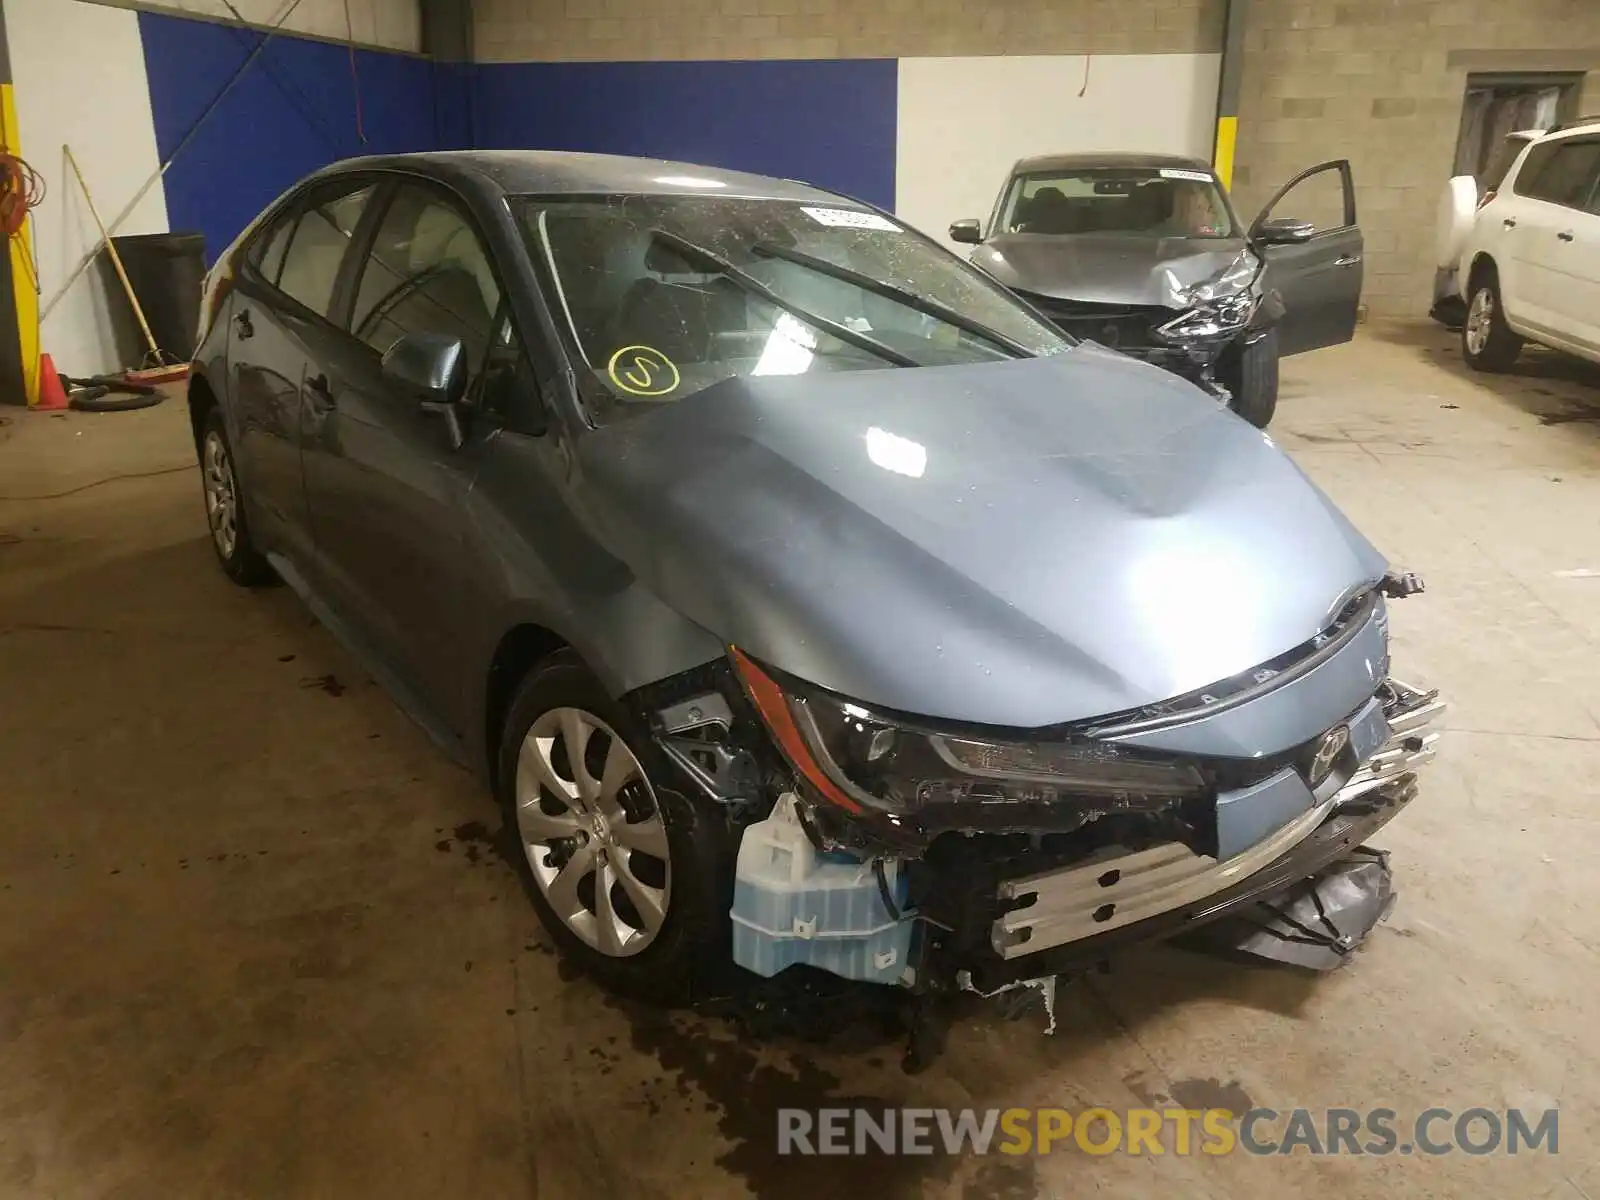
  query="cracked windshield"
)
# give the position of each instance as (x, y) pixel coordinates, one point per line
(666, 295)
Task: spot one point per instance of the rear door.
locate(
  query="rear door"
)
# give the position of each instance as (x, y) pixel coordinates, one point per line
(387, 488)
(1320, 279)
(279, 311)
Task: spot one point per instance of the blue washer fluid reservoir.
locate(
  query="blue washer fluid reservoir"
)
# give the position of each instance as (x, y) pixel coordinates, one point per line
(793, 905)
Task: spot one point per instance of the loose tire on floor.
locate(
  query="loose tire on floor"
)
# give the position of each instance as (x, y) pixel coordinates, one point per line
(241, 560)
(1487, 342)
(616, 817)
(1254, 381)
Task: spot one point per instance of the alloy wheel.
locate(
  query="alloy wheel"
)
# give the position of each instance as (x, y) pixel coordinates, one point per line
(222, 500)
(1480, 320)
(592, 831)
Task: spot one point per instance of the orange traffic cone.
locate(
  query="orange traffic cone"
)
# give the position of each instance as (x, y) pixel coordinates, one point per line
(52, 396)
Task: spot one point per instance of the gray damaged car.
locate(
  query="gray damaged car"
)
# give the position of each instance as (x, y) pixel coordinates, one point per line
(1143, 253)
(803, 596)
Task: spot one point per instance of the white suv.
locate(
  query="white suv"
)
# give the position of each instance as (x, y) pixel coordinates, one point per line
(1530, 264)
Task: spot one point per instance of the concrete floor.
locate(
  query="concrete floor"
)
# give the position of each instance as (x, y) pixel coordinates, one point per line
(254, 941)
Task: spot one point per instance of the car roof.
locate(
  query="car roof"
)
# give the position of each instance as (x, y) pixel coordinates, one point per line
(1577, 128)
(547, 172)
(1112, 161)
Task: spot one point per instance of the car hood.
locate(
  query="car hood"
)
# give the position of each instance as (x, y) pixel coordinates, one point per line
(1104, 268)
(1015, 544)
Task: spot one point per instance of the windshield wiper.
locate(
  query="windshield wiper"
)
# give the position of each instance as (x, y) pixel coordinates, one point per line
(889, 291)
(709, 258)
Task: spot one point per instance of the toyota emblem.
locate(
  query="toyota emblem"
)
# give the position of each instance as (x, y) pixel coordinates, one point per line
(1328, 749)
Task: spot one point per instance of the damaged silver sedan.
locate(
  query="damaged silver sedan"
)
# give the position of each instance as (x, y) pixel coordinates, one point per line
(806, 598)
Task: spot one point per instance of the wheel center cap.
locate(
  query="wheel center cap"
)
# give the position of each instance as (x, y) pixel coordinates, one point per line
(602, 831)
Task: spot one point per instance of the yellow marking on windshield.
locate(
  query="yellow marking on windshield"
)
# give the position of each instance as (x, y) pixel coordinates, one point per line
(643, 371)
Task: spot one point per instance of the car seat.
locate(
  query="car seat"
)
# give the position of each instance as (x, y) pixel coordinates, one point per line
(1050, 212)
(1154, 206)
(675, 309)
(445, 299)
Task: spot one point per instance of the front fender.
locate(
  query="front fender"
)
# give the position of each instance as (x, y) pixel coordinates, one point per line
(535, 563)
(1267, 315)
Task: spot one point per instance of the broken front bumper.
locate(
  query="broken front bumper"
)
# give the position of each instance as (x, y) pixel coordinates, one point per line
(1162, 336)
(1076, 916)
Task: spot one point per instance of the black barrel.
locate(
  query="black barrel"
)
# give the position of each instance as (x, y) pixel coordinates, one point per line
(168, 271)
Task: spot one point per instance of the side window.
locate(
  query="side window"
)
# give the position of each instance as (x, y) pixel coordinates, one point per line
(1573, 173)
(1527, 181)
(509, 387)
(427, 272)
(1319, 198)
(311, 263)
(267, 254)
(1561, 172)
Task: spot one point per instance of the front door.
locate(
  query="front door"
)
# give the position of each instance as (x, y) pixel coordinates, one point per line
(1319, 279)
(386, 486)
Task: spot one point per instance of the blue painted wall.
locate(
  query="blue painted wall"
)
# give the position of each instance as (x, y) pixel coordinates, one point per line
(830, 122)
(293, 111)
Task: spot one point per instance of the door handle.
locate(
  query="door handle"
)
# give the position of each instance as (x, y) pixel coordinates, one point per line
(1349, 260)
(1509, 222)
(1565, 235)
(321, 387)
(242, 320)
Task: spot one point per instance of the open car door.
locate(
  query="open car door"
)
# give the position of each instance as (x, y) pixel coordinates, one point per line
(1318, 276)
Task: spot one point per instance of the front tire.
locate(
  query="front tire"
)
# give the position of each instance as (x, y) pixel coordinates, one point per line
(236, 551)
(1254, 381)
(1487, 342)
(631, 878)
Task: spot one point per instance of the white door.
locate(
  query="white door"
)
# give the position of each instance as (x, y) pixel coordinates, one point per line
(1576, 266)
(1506, 229)
(1555, 238)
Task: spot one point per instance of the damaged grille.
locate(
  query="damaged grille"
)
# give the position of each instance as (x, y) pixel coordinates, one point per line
(1123, 885)
(1119, 326)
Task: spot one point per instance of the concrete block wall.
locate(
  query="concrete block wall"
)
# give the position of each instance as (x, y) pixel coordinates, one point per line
(1374, 81)
(390, 24)
(639, 30)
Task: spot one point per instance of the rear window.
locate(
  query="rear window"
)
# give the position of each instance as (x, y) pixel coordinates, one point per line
(1495, 174)
(267, 253)
(1561, 172)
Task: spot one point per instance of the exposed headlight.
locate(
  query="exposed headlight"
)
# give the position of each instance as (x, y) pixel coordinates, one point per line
(1225, 316)
(1217, 306)
(862, 761)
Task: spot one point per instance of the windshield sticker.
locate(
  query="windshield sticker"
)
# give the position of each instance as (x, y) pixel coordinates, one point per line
(643, 371)
(1180, 173)
(849, 218)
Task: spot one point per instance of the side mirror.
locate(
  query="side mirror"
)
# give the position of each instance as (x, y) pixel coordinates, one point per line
(966, 231)
(1284, 231)
(432, 369)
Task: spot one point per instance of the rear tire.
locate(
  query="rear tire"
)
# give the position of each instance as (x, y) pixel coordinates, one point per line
(1487, 342)
(236, 551)
(656, 849)
(1254, 381)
